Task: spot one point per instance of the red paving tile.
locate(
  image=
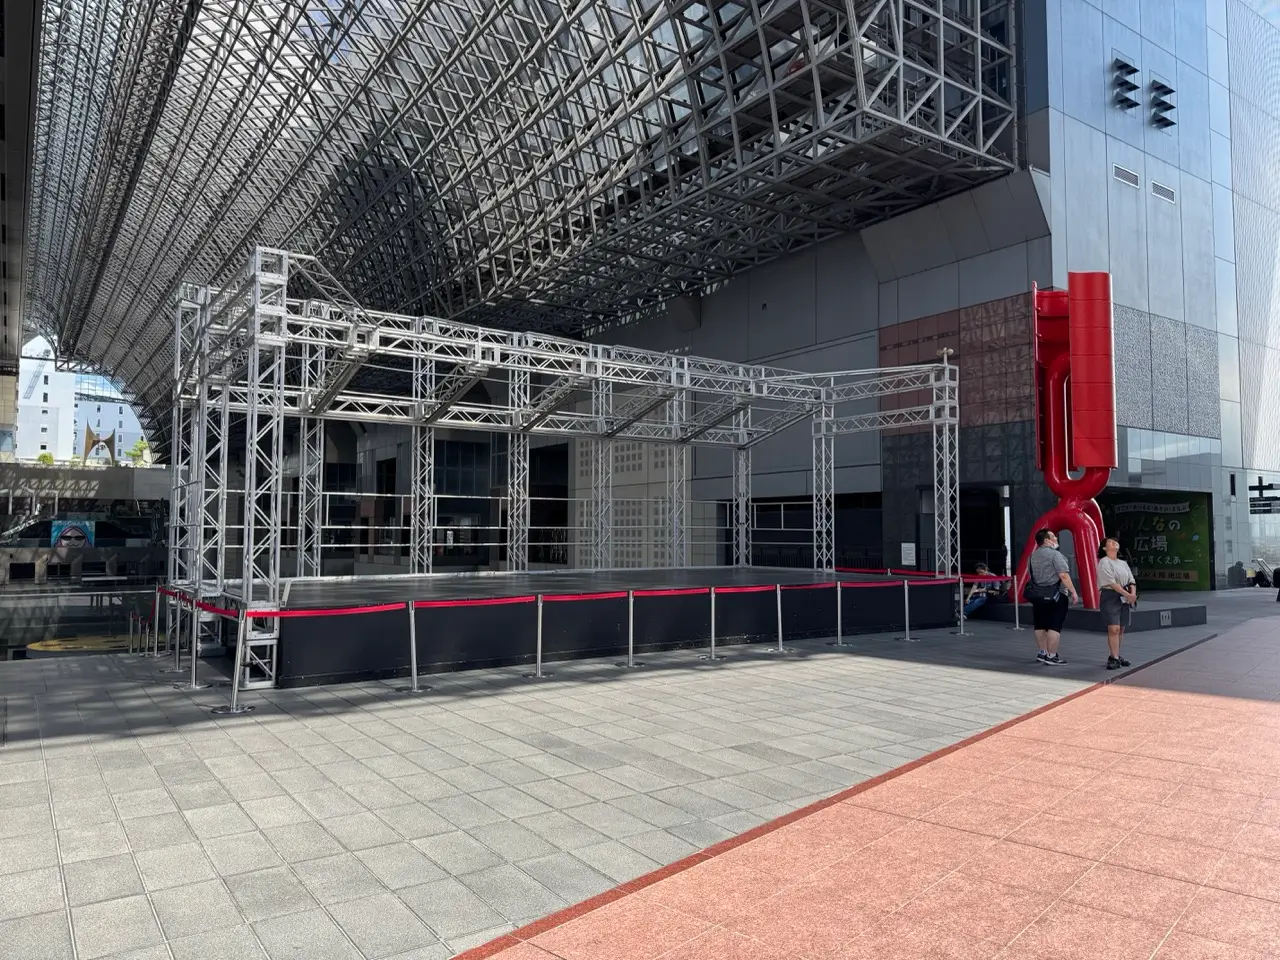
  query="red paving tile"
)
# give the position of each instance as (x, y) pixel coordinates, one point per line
(1138, 821)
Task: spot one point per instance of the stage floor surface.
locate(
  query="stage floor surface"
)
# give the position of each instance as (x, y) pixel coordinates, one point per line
(313, 594)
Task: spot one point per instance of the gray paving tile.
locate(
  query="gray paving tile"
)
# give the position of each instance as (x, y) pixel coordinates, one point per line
(254, 786)
(464, 811)
(359, 831)
(337, 878)
(195, 908)
(311, 935)
(567, 877)
(414, 820)
(556, 794)
(651, 810)
(43, 936)
(512, 841)
(269, 893)
(149, 802)
(219, 821)
(599, 787)
(382, 925)
(159, 951)
(699, 805)
(174, 866)
(561, 830)
(18, 854)
(109, 878)
(615, 860)
(450, 909)
(399, 865)
(23, 821)
(275, 811)
(437, 951)
(461, 944)
(661, 846)
(226, 943)
(458, 852)
(513, 893)
(202, 793)
(91, 843)
(609, 820)
(511, 802)
(302, 841)
(700, 833)
(327, 803)
(114, 926)
(377, 794)
(160, 830)
(241, 853)
(32, 891)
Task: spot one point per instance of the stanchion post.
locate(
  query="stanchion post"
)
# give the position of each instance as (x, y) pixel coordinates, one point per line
(131, 633)
(839, 640)
(235, 707)
(177, 638)
(710, 655)
(413, 686)
(631, 663)
(906, 611)
(960, 584)
(537, 669)
(194, 683)
(777, 592)
(1017, 605)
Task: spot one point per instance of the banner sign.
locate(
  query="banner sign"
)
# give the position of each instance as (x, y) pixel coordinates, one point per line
(1164, 535)
(72, 533)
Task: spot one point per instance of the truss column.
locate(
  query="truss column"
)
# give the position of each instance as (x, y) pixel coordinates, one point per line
(184, 512)
(264, 478)
(310, 496)
(601, 478)
(422, 500)
(824, 482)
(678, 481)
(518, 473)
(946, 470)
(742, 507)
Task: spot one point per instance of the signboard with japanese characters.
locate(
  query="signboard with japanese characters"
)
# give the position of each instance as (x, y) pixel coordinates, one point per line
(1164, 535)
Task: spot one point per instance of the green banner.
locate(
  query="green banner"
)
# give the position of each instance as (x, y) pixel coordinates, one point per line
(1164, 535)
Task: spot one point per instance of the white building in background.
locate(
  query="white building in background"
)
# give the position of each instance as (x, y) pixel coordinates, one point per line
(54, 409)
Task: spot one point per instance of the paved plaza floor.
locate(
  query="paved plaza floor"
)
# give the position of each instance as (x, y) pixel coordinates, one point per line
(355, 822)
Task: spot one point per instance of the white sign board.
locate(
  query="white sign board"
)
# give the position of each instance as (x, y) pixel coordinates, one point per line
(908, 554)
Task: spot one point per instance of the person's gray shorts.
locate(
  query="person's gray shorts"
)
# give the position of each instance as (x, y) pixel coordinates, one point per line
(1114, 610)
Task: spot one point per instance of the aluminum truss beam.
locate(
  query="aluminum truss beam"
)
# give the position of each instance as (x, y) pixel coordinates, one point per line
(518, 477)
(824, 488)
(422, 499)
(601, 452)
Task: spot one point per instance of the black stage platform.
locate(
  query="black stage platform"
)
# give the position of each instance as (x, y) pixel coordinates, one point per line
(485, 620)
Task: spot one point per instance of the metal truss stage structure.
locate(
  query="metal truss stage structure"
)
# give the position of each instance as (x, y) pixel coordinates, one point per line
(287, 349)
(550, 166)
(337, 630)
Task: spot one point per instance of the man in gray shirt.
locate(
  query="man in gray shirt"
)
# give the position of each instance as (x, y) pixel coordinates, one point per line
(1048, 571)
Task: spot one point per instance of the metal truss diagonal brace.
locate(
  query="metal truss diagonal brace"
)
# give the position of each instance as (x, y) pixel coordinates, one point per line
(422, 500)
(518, 479)
(742, 507)
(946, 470)
(601, 505)
(310, 497)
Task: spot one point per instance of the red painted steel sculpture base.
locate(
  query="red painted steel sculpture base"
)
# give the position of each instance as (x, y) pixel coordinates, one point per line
(1076, 415)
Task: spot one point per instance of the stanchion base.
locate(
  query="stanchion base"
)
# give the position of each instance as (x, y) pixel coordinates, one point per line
(838, 643)
(188, 686)
(538, 676)
(779, 650)
(630, 666)
(421, 689)
(174, 670)
(907, 639)
(711, 657)
(227, 710)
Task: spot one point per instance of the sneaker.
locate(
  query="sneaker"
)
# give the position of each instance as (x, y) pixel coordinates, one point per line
(1054, 660)
(1042, 657)
(1113, 663)
(1123, 662)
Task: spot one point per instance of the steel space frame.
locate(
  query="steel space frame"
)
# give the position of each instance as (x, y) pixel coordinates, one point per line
(286, 342)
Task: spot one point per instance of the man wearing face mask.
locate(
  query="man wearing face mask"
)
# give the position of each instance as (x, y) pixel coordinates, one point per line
(1048, 588)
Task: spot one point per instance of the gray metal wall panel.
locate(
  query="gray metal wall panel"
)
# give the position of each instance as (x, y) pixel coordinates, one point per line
(1195, 211)
(1168, 375)
(994, 275)
(1257, 282)
(888, 303)
(846, 295)
(1158, 23)
(1191, 28)
(1193, 122)
(929, 292)
(1127, 228)
(782, 308)
(1224, 237)
(1086, 179)
(1204, 414)
(1229, 367)
(1159, 63)
(1084, 87)
(1128, 12)
(1118, 40)
(1224, 290)
(1133, 367)
(1164, 244)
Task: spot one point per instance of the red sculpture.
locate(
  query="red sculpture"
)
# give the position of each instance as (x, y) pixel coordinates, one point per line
(1075, 415)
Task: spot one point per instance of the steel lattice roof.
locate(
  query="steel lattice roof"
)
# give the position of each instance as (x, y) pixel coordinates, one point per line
(548, 164)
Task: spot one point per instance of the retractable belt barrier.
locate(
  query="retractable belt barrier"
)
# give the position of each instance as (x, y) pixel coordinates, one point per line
(893, 577)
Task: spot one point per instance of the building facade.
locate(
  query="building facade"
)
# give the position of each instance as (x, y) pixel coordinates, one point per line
(55, 408)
